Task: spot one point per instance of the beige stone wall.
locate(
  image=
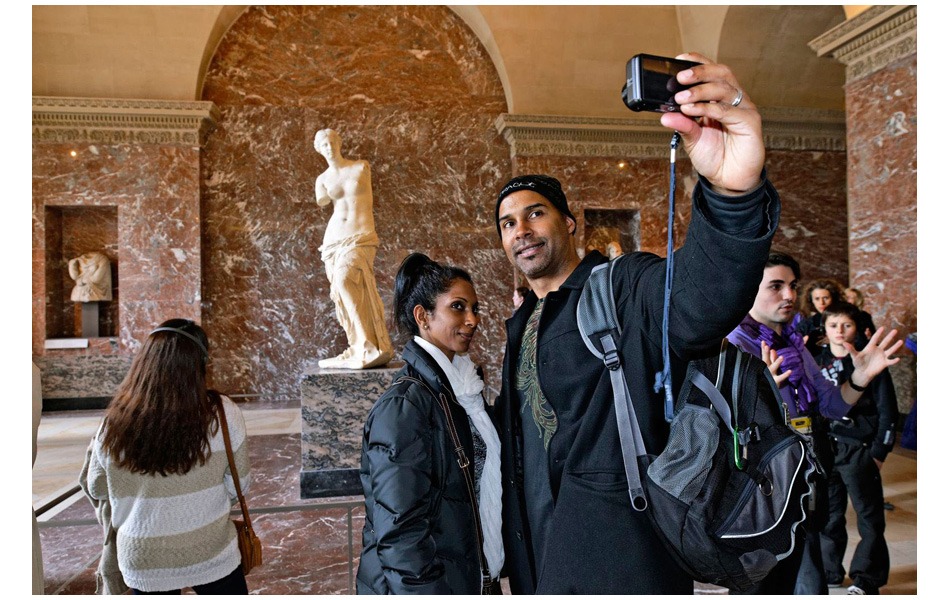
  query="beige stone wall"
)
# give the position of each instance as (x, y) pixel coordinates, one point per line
(566, 60)
(120, 51)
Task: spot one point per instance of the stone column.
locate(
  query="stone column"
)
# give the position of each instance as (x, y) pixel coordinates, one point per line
(879, 48)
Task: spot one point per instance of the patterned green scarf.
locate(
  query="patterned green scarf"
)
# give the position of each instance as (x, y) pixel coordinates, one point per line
(527, 380)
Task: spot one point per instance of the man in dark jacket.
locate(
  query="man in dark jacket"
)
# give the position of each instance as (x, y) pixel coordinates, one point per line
(568, 525)
(809, 400)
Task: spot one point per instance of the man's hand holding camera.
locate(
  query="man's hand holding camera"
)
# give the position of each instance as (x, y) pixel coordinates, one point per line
(725, 145)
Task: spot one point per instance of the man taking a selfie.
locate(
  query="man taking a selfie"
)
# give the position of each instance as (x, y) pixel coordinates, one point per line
(568, 525)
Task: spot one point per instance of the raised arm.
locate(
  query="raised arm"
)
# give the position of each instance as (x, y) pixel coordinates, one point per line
(715, 274)
(399, 455)
(735, 214)
(876, 356)
(74, 272)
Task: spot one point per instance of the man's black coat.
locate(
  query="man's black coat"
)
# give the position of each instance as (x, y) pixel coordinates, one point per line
(597, 543)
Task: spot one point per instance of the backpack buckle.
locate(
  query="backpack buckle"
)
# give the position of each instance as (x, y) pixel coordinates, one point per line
(749, 434)
(612, 360)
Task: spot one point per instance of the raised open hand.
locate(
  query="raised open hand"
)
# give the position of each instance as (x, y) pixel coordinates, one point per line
(773, 361)
(875, 357)
(726, 145)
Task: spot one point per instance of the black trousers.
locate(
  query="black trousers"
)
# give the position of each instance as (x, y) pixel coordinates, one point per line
(232, 584)
(856, 475)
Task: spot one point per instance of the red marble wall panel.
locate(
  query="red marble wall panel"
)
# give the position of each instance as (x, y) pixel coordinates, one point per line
(882, 201)
(813, 226)
(412, 91)
(155, 193)
(812, 186)
(52, 277)
(600, 183)
(882, 191)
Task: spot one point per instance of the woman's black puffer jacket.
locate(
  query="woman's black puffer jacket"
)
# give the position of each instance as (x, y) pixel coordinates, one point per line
(419, 536)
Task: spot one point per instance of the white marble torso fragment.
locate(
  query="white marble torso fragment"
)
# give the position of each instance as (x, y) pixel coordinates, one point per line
(93, 276)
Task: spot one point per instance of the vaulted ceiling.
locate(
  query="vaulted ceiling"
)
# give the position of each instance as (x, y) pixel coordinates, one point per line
(565, 60)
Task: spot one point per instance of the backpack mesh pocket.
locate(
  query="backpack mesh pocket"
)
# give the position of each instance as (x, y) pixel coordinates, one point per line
(683, 465)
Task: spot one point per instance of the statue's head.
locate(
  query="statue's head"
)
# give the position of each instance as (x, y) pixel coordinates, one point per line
(614, 250)
(327, 142)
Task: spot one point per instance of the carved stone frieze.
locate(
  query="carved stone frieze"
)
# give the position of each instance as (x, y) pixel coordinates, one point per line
(120, 121)
(872, 40)
(547, 135)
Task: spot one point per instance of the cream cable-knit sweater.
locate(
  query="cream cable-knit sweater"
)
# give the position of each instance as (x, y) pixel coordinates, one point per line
(175, 531)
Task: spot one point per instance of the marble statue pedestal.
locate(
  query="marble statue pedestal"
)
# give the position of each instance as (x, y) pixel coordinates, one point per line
(90, 319)
(333, 408)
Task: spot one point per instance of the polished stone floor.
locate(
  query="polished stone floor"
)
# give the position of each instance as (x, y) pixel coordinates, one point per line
(307, 548)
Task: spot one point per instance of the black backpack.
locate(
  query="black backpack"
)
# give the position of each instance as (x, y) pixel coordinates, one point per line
(729, 490)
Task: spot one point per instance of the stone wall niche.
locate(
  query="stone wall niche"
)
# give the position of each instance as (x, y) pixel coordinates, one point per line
(602, 226)
(72, 231)
(412, 91)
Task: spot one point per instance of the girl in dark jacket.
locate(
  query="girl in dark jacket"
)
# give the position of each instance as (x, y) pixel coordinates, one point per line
(430, 467)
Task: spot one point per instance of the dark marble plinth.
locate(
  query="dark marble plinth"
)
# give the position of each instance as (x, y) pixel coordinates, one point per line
(72, 377)
(333, 408)
(329, 483)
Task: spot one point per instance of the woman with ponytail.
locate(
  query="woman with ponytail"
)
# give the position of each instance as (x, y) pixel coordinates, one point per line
(431, 465)
(157, 473)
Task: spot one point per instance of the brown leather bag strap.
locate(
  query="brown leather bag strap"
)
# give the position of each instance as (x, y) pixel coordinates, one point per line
(467, 468)
(234, 472)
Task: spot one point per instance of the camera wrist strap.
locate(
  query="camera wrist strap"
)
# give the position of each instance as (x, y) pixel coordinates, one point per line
(664, 378)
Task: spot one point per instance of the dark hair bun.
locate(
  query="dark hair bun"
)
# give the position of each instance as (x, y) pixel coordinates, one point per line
(415, 265)
(419, 281)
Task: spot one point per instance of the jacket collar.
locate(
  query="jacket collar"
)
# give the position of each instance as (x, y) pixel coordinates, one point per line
(417, 358)
(574, 281)
(516, 324)
(581, 273)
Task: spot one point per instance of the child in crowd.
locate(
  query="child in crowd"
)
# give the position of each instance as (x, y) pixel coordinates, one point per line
(866, 326)
(861, 442)
(819, 294)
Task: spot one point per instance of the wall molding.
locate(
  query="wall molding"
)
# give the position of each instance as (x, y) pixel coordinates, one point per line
(121, 121)
(555, 135)
(872, 40)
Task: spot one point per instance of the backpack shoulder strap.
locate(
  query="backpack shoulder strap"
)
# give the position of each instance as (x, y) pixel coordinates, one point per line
(597, 311)
(600, 329)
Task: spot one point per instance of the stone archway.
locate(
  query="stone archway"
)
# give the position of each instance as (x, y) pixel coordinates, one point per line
(411, 90)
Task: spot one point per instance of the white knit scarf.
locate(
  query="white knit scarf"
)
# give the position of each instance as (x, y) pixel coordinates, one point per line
(467, 387)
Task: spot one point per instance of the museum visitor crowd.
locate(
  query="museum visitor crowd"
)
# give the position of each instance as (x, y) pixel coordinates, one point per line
(461, 492)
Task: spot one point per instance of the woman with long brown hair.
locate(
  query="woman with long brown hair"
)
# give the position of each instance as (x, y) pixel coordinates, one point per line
(157, 472)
